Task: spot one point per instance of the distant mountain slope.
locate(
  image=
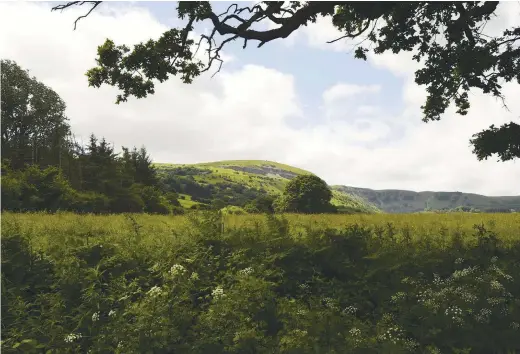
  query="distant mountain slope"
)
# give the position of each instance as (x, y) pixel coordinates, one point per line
(403, 201)
(237, 182)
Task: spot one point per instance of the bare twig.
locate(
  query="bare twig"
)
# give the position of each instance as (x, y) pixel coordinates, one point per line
(360, 32)
(72, 3)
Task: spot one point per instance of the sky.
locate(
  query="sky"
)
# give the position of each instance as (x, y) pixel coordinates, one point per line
(298, 101)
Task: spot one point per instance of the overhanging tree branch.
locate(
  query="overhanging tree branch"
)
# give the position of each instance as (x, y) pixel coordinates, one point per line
(72, 3)
(445, 37)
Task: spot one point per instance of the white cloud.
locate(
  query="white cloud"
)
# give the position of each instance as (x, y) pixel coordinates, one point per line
(244, 114)
(437, 155)
(342, 91)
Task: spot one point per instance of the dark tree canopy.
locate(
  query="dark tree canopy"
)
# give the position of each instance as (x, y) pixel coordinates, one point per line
(34, 126)
(306, 194)
(447, 36)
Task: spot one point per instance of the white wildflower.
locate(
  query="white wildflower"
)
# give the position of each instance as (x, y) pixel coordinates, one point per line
(72, 337)
(354, 332)
(246, 271)
(112, 313)
(453, 310)
(398, 296)
(155, 291)
(411, 345)
(218, 292)
(459, 260)
(495, 285)
(330, 303)
(392, 334)
(350, 310)
(464, 272)
(468, 297)
(515, 325)
(494, 301)
(483, 315)
(95, 316)
(177, 269)
(300, 332)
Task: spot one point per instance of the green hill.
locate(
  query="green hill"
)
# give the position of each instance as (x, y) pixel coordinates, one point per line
(238, 182)
(404, 201)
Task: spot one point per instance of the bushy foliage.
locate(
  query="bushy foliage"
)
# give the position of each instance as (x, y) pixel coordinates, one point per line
(263, 204)
(233, 210)
(306, 194)
(255, 289)
(35, 188)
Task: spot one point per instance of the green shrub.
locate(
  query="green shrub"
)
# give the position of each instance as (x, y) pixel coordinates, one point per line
(126, 201)
(233, 210)
(87, 202)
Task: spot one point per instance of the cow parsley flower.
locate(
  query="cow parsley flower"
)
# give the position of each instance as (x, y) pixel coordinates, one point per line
(354, 332)
(218, 292)
(177, 269)
(350, 310)
(398, 296)
(155, 291)
(495, 285)
(330, 303)
(246, 271)
(72, 337)
(392, 334)
(301, 312)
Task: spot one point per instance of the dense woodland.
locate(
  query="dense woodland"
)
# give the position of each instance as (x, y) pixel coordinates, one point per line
(45, 168)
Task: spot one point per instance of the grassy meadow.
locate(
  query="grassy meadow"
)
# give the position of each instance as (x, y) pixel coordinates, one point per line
(212, 283)
(441, 227)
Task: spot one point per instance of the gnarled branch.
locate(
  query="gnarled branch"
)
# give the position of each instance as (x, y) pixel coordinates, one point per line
(72, 3)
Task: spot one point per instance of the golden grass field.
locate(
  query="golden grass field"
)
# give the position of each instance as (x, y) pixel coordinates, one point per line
(39, 225)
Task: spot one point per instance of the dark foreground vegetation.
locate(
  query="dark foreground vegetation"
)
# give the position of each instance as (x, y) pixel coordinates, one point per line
(142, 284)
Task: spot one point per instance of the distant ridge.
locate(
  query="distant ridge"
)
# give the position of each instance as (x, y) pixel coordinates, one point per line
(405, 201)
(270, 178)
(250, 177)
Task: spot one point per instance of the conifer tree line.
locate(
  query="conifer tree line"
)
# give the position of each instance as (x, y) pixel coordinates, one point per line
(45, 168)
